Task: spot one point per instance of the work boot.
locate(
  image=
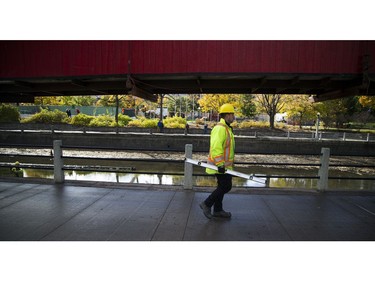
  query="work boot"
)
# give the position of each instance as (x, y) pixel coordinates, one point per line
(222, 214)
(206, 210)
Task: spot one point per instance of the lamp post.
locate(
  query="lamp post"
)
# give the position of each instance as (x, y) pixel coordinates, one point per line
(193, 109)
(179, 98)
(317, 125)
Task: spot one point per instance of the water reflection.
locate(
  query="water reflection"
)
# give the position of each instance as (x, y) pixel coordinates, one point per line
(293, 183)
(202, 181)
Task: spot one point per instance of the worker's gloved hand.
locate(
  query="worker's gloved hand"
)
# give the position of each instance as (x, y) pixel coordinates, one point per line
(221, 169)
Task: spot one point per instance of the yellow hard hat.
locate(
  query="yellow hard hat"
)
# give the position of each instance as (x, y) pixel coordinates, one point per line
(226, 108)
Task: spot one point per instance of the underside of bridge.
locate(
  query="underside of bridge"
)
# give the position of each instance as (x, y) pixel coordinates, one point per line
(147, 86)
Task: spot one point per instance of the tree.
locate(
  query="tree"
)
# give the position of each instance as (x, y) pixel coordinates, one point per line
(332, 112)
(84, 100)
(299, 107)
(187, 103)
(270, 104)
(339, 111)
(212, 102)
(176, 104)
(48, 100)
(367, 102)
(248, 107)
(107, 100)
(9, 113)
(68, 100)
(126, 101)
(360, 109)
(65, 100)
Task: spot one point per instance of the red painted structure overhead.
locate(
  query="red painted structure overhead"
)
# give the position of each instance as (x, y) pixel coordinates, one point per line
(146, 68)
(88, 58)
(249, 56)
(62, 58)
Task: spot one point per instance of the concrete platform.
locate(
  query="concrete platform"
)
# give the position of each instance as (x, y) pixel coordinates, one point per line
(42, 211)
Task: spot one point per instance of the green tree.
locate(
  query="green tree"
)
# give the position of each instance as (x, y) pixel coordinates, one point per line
(339, 111)
(108, 100)
(332, 112)
(65, 100)
(68, 100)
(248, 107)
(9, 113)
(84, 100)
(52, 100)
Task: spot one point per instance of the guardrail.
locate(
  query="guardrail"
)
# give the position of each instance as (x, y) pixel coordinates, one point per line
(55, 128)
(188, 168)
(322, 175)
(58, 166)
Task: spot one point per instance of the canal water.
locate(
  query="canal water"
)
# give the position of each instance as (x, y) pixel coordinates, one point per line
(166, 168)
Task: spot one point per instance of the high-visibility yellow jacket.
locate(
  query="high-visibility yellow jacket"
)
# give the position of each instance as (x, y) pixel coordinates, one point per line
(221, 147)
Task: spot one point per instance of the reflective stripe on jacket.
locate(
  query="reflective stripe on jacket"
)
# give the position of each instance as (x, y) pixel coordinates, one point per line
(221, 147)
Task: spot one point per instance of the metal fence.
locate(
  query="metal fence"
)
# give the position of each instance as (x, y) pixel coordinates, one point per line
(59, 167)
(327, 135)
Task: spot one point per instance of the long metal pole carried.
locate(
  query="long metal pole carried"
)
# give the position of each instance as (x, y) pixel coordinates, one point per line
(231, 172)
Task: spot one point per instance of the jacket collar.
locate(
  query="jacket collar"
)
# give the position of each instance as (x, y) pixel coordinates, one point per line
(222, 121)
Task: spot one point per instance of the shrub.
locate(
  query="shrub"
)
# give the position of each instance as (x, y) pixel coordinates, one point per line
(103, 121)
(235, 124)
(150, 123)
(174, 122)
(135, 123)
(199, 121)
(123, 120)
(254, 124)
(175, 125)
(47, 117)
(281, 125)
(9, 113)
(81, 120)
(144, 123)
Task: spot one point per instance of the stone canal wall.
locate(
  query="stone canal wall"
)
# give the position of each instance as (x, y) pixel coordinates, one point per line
(177, 142)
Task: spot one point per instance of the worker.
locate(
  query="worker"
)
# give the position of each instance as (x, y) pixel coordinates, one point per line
(160, 126)
(16, 170)
(222, 155)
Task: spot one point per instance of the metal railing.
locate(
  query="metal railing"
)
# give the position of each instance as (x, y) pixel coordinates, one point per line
(188, 168)
(59, 167)
(327, 135)
(322, 174)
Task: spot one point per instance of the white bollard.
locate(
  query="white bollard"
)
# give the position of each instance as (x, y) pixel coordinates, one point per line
(323, 171)
(58, 162)
(344, 136)
(188, 173)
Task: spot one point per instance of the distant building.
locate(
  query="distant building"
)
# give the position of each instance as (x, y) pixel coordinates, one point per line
(129, 111)
(165, 112)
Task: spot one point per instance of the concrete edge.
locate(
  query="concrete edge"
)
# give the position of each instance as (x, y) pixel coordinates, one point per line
(132, 186)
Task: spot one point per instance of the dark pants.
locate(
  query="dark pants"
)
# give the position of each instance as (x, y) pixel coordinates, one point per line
(224, 185)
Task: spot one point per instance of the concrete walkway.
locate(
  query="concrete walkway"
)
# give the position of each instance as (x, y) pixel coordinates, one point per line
(42, 211)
